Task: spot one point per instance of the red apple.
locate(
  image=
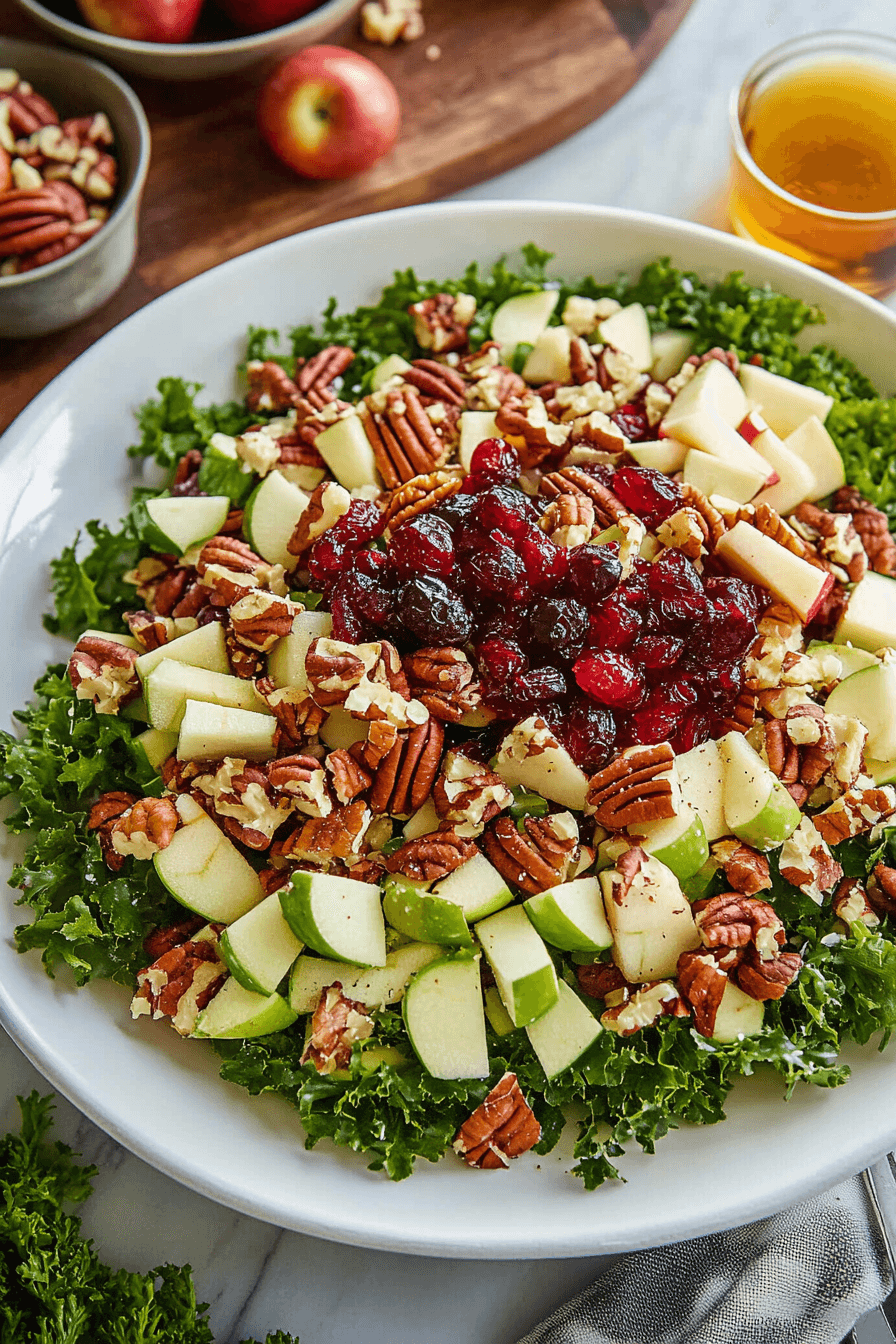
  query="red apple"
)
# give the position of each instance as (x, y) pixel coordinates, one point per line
(328, 112)
(143, 20)
(254, 16)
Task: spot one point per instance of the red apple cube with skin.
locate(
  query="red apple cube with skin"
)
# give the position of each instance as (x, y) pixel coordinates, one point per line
(329, 113)
(750, 554)
(257, 16)
(143, 20)
(795, 478)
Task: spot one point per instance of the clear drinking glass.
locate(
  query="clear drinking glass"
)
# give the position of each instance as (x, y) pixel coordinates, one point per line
(814, 156)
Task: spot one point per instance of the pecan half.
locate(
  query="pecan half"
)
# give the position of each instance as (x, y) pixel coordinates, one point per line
(405, 777)
(102, 670)
(767, 978)
(568, 519)
(702, 981)
(442, 321)
(321, 839)
(734, 920)
(336, 1024)
(270, 387)
(746, 870)
(160, 941)
(349, 777)
(334, 668)
(381, 738)
(151, 631)
(146, 828)
(503, 1127)
(540, 859)
(315, 376)
(438, 669)
(420, 494)
(259, 619)
(715, 524)
(468, 795)
(436, 381)
(577, 481)
(600, 979)
(181, 982)
(325, 507)
(636, 786)
(303, 781)
(404, 441)
(431, 856)
(872, 527)
(882, 891)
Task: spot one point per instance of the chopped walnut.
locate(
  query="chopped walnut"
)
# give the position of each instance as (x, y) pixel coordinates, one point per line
(182, 981)
(468, 795)
(807, 862)
(101, 669)
(582, 315)
(503, 1127)
(851, 904)
(145, 829)
(336, 1024)
(644, 1008)
(242, 793)
(855, 812)
(872, 527)
(746, 870)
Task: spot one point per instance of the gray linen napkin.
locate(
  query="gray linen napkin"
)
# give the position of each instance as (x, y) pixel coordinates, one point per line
(804, 1276)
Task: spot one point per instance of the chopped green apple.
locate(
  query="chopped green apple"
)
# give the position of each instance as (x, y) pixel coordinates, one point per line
(869, 695)
(286, 660)
(345, 448)
(752, 555)
(418, 914)
(670, 350)
(171, 684)
(531, 757)
(850, 659)
(784, 403)
(237, 1014)
(869, 620)
(336, 916)
(758, 808)
(564, 1033)
(737, 1015)
(203, 647)
(475, 428)
(445, 1020)
(813, 444)
(679, 842)
(209, 732)
(341, 730)
(270, 517)
(628, 330)
(701, 776)
(423, 822)
(520, 962)
(259, 948)
(522, 319)
(571, 916)
(156, 746)
(650, 919)
(881, 772)
(206, 872)
(663, 455)
(477, 887)
(375, 986)
(548, 360)
(497, 1015)
(393, 366)
(174, 525)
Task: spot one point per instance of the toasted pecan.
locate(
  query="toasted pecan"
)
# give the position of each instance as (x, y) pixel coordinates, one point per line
(503, 1127)
(636, 786)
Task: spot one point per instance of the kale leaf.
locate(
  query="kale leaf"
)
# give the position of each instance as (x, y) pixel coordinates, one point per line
(865, 433)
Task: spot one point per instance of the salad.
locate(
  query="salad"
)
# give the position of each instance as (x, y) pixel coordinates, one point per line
(491, 713)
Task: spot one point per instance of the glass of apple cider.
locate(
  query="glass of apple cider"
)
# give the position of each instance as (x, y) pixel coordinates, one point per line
(814, 161)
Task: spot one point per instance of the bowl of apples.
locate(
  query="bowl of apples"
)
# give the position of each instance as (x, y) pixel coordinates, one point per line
(188, 39)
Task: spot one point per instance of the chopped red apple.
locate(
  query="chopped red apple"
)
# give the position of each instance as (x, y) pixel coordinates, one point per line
(752, 555)
(795, 478)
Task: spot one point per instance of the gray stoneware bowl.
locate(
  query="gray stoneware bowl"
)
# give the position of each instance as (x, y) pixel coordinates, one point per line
(195, 60)
(54, 296)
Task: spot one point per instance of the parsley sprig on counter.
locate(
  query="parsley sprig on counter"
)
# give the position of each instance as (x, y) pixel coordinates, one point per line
(628, 1089)
(54, 1288)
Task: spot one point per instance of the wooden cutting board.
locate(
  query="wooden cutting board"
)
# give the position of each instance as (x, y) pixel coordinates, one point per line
(513, 78)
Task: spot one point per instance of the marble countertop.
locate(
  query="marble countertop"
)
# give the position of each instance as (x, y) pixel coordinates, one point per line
(663, 148)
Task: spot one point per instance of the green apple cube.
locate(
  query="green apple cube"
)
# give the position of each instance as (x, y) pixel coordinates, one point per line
(423, 822)
(286, 660)
(628, 330)
(548, 360)
(171, 684)
(522, 965)
(531, 757)
(259, 948)
(850, 659)
(571, 916)
(701, 776)
(206, 872)
(679, 842)
(374, 986)
(236, 1014)
(869, 620)
(496, 1014)
(564, 1033)
(670, 350)
(650, 919)
(345, 448)
(881, 772)
(336, 916)
(210, 732)
(758, 808)
(413, 911)
(869, 695)
(784, 403)
(177, 524)
(522, 319)
(127, 640)
(341, 730)
(156, 746)
(445, 1020)
(270, 517)
(393, 366)
(203, 647)
(475, 427)
(737, 1015)
(477, 887)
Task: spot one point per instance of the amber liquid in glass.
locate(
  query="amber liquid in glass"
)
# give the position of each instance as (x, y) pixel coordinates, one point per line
(826, 134)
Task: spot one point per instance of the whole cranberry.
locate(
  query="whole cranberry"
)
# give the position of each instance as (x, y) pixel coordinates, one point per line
(499, 660)
(494, 462)
(433, 612)
(547, 564)
(614, 625)
(505, 510)
(610, 678)
(423, 545)
(632, 420)
(594, 571)
(495, 573)
(454, 509)
(332, 555)
(676, 590)
(650, 494)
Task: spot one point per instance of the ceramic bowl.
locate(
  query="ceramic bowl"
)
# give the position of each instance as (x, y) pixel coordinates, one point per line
(191, 60)
(54, 296)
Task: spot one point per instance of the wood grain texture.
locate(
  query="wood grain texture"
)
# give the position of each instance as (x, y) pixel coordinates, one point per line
(522, 76)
